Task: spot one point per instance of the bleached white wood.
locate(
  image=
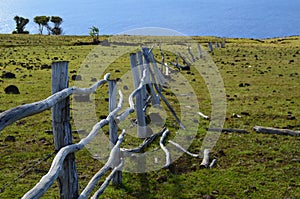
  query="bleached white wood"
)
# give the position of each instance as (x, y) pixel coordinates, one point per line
(112, 104)
(142, 68)
(158, 90)
(149, 74)
(146, 143)
(205, 161)
(167, 70)
(203, 115)
(213, 163)
(62, 133)
(141, 120)
(135, 92)
(184, 150)
(113, 161)
(12, 115)
(47, 180)
(162, 59)
(113, 127)
(269, 130)
(191, 54)
(200, 51)
(107, 180)
(168, 155)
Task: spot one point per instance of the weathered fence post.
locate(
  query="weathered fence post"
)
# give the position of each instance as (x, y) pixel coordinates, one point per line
(141, 163)
(148, 81)
(68, 178)
(223, 43)
(210, 46)
(141, 65)
(113, 127)
(141, 120)
(191, 54)
(200, 51)
(217, 45)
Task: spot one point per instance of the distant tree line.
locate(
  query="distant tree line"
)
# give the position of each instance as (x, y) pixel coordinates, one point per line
(42, 22)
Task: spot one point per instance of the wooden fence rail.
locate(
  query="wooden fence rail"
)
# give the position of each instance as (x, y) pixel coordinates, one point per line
(12, 115)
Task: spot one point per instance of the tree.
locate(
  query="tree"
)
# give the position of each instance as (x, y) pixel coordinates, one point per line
(94, 32)
(20, 25)
(42, 21)
(57, 30)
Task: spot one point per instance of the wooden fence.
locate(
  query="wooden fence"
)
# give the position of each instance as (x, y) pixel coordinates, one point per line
(146, 73)
(63, 168)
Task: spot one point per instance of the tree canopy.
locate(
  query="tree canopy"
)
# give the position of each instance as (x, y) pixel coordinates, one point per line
(56, 30)
(94, 32)
(42, 21)
(21, 22)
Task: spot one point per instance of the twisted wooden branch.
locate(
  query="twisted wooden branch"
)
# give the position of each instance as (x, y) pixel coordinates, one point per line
(146, 143)
(47, 180)
(113, 162)
(12, 115)
(168, 156)
(184, 150)
(107, 180)
(130, 110)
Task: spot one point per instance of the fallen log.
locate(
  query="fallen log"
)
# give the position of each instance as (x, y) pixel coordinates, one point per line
(228, 130)
(269, 130)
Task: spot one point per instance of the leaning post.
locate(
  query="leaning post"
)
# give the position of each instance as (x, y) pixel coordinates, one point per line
(68, 177)
(141, 120)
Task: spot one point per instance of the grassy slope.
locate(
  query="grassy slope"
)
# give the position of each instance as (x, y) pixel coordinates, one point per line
(249, 166)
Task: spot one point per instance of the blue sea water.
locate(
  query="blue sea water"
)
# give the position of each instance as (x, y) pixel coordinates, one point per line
(224, 18)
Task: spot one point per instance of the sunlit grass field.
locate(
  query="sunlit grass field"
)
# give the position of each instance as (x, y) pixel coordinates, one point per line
(261, 79)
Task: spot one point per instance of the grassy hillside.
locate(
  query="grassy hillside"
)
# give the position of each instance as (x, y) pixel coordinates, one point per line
(261, 78)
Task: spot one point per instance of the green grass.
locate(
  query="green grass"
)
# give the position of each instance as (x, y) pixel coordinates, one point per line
(249, 166)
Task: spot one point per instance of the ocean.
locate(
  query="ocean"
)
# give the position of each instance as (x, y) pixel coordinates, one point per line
(223, 18)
